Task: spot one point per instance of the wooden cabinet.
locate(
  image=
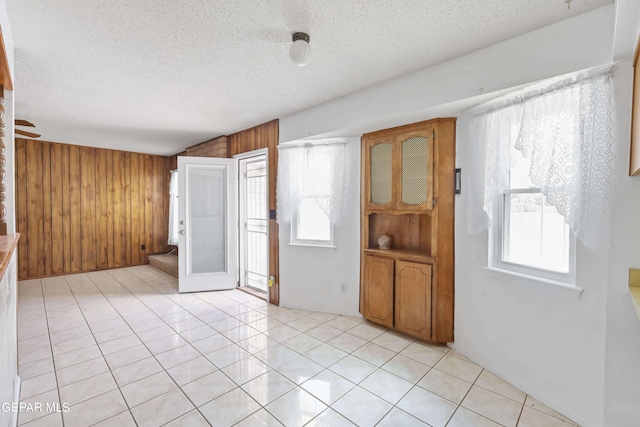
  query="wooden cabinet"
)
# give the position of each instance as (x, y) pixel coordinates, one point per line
(408, 194)
(378, 296)
(413, 298)
(399, 167)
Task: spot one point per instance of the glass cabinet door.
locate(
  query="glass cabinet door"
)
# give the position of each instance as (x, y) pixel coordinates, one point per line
(416, 177)
(381, 174)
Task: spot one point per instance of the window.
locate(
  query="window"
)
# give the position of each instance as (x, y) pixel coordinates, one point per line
(310, 225)
(311, 190)
(530, 237)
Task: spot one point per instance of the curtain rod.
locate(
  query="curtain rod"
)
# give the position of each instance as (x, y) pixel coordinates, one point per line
(309, 144)
(529, 93)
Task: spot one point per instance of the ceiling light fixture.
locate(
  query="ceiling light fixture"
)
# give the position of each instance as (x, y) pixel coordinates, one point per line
(300, 49)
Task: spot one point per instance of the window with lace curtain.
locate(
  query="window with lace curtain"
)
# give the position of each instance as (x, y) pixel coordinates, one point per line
(541, 172)
(311, 188)
(310, 225)
(529, 236)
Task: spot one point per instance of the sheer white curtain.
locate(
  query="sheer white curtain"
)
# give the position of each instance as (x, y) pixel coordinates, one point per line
(567, 130)
(315, 170)
(173, 208)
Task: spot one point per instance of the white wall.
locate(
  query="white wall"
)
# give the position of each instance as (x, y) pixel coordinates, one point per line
(9, 382)
(310, 277)
(548, 341)
(622, 369)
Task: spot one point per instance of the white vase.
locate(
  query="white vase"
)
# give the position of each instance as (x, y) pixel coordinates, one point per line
(384, 242)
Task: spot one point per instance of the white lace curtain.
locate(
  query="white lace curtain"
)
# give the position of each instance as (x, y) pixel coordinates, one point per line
(173, 208)
(315, 170)
(567, 132)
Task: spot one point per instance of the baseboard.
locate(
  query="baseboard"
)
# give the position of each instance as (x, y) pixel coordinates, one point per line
(323, 310)
(524, 387)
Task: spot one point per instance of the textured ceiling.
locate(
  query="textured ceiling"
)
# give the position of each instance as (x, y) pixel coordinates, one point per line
(157, 75)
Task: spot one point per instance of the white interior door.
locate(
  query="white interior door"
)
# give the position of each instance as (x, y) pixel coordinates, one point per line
(208, 221)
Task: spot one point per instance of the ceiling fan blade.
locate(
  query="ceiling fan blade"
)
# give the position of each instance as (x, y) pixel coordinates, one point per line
(29, 134)
(24, 123)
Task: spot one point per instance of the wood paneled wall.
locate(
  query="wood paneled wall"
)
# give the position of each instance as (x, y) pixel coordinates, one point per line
(265, 135)
(82, 209)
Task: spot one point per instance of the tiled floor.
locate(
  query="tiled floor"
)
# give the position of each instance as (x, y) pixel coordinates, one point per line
(123, 348)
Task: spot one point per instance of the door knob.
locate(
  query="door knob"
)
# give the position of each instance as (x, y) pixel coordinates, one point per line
(181, 231)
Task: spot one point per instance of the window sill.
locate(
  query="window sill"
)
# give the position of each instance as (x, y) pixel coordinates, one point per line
(312, 245)
(564, 287)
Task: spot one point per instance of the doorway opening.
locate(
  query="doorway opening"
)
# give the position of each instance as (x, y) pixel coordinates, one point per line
(253, 210)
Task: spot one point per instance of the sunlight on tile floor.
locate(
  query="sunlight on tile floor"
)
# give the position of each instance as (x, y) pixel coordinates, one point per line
(123, 348)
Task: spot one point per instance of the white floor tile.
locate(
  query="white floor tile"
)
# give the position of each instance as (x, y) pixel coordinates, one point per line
(326, 355)
(445, 385)
(353, 369)
(493, 406)
(136, 371)
(328, 386)
(347, 342)
(299, 369)
(493, 383)
(207, 388)
(532, 418)
(427, 407)
(296, 408)
(330, 418)
(465, 418)
(162, 409)
(191, 370)
(406, 368)
(457, 367)
(361, 407)
(190, 419)
(95, 410)
(259, 419)
(396, 418)
(268, 387)
(130, 328)
(88, 388)
(227, 355)
(386, 385)
(245, 370)
(147, 388)
(229, 408)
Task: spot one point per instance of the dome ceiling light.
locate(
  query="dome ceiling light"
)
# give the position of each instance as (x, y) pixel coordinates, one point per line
(300, 49)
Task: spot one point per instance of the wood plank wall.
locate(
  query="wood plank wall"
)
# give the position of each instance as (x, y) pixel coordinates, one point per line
(83, 209)
(265, 135)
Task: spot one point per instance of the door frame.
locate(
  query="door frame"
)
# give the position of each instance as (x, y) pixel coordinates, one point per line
(241, 209)
(199, 282)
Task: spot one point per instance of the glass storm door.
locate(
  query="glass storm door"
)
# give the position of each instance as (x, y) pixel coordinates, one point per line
(207, 247)
(254, 225)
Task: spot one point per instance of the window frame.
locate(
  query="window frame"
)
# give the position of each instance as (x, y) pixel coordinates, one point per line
(497, 245)
(295, 241)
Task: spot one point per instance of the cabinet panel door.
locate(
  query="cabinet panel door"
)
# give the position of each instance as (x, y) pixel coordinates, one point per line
(414, 171)
(378, 290)
(413, 298)
(379, 174)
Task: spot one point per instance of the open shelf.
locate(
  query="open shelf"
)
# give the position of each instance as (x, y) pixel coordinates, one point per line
(403, 254)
